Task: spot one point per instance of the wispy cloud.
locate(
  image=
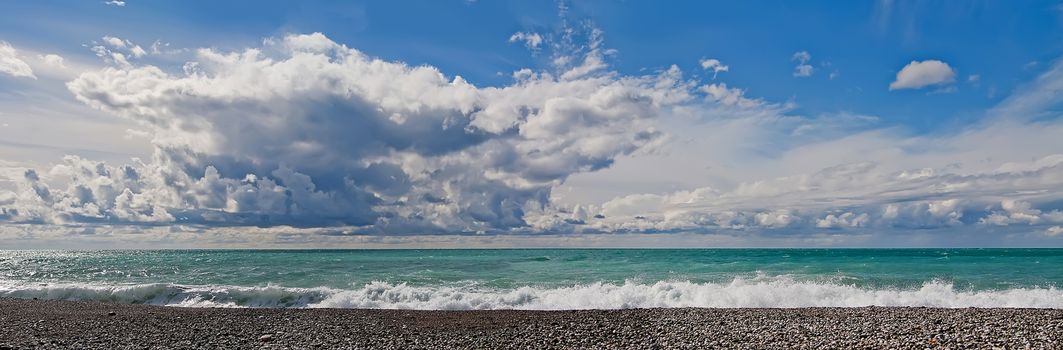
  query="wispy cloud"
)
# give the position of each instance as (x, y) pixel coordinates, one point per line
(12, 64)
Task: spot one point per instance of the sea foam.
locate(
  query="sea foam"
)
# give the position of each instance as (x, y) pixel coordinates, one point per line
(770, 293)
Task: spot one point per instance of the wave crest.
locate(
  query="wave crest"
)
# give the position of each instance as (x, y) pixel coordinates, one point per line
(172, 294)
(774, 293)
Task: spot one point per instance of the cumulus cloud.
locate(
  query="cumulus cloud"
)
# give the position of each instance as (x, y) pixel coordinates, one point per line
(920, 74)
(847, 219)
(803, 69)
(11, 64)
(308, 132)
(714, 65)
(1020, 212)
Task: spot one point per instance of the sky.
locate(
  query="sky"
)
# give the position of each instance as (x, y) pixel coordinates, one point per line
(438, 124)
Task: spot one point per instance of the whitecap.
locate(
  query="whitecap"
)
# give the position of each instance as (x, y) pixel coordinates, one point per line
(761, 292)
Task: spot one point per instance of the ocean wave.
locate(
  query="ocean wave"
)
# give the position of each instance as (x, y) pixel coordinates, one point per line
(774, 293)
(172, 294)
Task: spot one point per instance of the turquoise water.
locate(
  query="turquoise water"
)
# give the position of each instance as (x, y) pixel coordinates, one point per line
(542, 278)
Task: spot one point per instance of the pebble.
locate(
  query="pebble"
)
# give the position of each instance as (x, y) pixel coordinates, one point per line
(145, 326)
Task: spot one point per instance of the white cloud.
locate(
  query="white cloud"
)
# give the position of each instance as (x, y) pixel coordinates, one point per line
(577, 60)
(52, 60)
(775, 218)
(920, 74)
(729, 96)
(118, 3)
(531, 40)
(843, 220)
(714, 65)
(803, 69)
(11, 64)
(1037, 99)
(118, 51)
(137, 51)
(1054, 231)
(317, 134)
(158, 47)
(114, 42)
(53, 68)
(1021, 212)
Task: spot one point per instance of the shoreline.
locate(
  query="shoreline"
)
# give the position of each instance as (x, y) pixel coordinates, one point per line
(100, 325)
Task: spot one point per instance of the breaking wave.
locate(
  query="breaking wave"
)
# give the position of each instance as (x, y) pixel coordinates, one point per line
(775, 293)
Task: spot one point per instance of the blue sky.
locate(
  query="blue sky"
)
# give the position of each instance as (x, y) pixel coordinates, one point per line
(863, 42)
(816, 117)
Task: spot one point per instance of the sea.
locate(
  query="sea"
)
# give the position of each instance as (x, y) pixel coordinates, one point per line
(542, 279)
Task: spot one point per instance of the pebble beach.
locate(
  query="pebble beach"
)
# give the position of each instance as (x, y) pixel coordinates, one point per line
(50, 324)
